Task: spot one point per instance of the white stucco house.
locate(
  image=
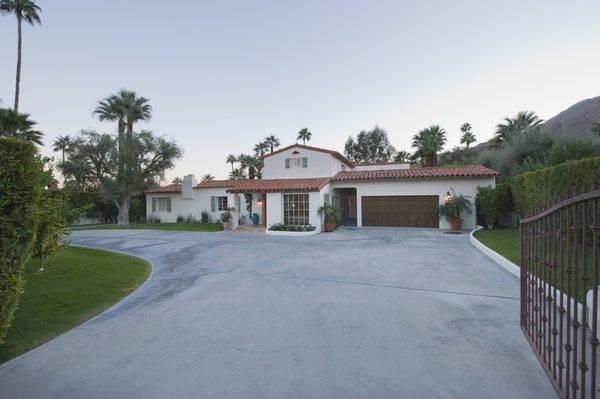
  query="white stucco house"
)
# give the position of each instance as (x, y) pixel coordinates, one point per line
(298, 179)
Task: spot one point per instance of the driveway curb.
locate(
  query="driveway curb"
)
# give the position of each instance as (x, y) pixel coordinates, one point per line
(495, 256)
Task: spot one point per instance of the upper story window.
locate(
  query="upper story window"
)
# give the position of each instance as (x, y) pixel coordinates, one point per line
(300, 162)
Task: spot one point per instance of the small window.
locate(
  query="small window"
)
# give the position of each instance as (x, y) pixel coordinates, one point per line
(221, 203)
(295, 209)
(296, 162)
(163, 204)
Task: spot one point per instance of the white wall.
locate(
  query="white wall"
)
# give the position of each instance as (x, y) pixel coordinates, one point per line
(320, 164)
(274, 208)
(439, 187)
(179, 206)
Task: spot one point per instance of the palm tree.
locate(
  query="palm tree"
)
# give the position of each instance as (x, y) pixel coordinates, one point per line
(14, 124)
(24, 10)
(177, 180)
(272, 142)
(63, 144)
(428, 143)
(468, 137)
(304, 135)
(260, 148)
(525, 122)
(237, 174)
(207, 177)
(232, 160)
(252, 163)
(595, 129)
(402, 156)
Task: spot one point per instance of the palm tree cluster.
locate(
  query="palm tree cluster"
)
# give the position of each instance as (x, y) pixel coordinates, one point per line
(304, 135)
(468, 137)
(25, 11)
(207, 177)
(428, 142)
(523, 123)
(15, 124)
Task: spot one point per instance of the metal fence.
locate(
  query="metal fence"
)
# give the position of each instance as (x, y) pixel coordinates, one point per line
(559, 292)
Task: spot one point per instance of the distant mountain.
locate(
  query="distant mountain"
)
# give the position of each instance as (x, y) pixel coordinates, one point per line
(576, 120)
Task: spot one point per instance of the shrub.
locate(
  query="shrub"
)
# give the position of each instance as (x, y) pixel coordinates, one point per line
(190, 219)
(204, 217)
(535, 190)
(20, 182)
(291, 227)
(488, 204)
(153, 219)
(505, 197)
(454, 206)
(180, 219)
(572, 150)
(331, 214)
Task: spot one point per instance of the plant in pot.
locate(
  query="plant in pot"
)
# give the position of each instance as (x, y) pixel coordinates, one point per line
(453, 207)
(331, 216)
(226, 218)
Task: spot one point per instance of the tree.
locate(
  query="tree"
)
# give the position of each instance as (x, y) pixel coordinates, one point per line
(63, 144)
(252, 163)
(177, 180)
(595, 129)
(402, 156)
(304, 135)
(19, 216)
(428, 142)
(207, 177)
(272, 142)
(260, 149)
(370, 146)
(24, 10)
(97, 157)
(232, 160)
(523, 123)
(14, 124)
(237, 174)
(468, 137)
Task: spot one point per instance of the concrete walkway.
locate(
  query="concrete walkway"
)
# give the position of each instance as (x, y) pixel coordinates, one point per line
(366, 313)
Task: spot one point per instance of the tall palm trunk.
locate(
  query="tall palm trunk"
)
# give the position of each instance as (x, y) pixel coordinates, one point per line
(18, 77)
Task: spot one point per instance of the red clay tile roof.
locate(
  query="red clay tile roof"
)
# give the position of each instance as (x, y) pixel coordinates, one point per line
(217, 184)
(171, 188)
(418, 173)
(306, 147)
(378, 163)
(279, 185)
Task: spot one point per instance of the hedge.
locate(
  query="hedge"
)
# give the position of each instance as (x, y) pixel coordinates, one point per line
(538, 189)
(20, 189)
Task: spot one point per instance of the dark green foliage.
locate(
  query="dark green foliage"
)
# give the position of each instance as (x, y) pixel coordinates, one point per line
(331, 214)
(572, 150)
(104, 210)
(454, 206)
(180, 219)
(370, 146)
(535, 190)
(20, 190)
(488, 204)
(204, 217)
(291, 227)
(14, 124)
(458, 156)
(505, 197)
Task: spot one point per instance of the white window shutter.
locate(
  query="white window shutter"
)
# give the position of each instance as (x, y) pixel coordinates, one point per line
(287, 163)
(305, 162)
(213, 204)
(326, 199)
(168, 204)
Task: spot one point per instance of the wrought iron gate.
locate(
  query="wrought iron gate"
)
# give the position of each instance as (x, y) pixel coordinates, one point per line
(559, 292)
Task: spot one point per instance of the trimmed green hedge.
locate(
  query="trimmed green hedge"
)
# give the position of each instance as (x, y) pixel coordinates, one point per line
(534, 190)
(20, 190)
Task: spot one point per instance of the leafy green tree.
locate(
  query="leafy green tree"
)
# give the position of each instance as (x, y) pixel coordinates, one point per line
(468, 137)
(207, 177)
(595, 129)
(177, 180)
(14, 124)
(428, 142)
(20, 183)
(62, 144)
(488, 204)
(23, 10)
(370, 146)
(96, 156)
(402, 156)
(304, 135)
(272, 142)
(232, 159)
(238, 174)
(523, 123)
(572, 150)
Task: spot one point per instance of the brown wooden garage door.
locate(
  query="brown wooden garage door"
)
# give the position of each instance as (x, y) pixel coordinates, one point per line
(400, 211)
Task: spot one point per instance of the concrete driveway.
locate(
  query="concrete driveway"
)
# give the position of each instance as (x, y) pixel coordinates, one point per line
(369, 313)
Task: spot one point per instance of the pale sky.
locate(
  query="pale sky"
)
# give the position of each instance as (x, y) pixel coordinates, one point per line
(223, 75)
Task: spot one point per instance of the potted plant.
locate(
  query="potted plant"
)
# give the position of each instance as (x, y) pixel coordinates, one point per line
(453, 207)
(226, 219)
(331, 215)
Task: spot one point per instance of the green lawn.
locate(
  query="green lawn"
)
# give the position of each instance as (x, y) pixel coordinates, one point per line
(77, 284)
(505, 241)
(157, 226)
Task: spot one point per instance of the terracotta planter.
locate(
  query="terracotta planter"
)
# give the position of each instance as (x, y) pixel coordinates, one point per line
(455, 224)
(329, 227)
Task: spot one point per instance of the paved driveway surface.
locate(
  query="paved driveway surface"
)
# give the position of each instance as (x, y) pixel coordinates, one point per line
(370, 313)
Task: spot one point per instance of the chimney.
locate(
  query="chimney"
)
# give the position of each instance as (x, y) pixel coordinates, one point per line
(187, 188)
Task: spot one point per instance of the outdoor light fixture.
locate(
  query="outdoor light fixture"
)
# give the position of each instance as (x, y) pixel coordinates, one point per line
(448, 196)
(259, 201)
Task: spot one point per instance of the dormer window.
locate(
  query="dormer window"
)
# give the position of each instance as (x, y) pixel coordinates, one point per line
(296, 162)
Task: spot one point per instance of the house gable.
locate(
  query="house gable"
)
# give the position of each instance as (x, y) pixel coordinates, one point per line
(299, 161)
